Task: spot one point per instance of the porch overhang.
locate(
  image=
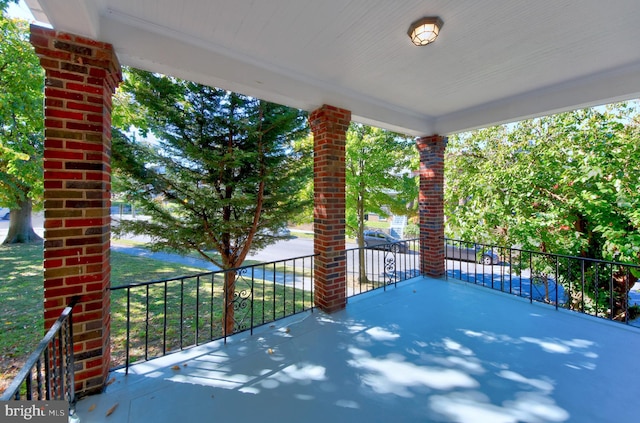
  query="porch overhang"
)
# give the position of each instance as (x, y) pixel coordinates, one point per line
(493, 62)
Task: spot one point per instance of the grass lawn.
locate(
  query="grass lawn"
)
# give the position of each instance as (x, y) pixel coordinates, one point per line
(21, 308)
(377, 225)
(21, 297)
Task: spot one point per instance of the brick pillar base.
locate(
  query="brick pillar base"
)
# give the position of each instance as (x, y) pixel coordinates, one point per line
(81, 76)
(431, 202)
(329, 125)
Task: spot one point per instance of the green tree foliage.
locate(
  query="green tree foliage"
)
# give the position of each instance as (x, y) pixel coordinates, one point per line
(379, 177)
(4, 4)
(222, 174)
(379, 174)
(304, 148)
(21, 132)
(565, 184)
(220, 178)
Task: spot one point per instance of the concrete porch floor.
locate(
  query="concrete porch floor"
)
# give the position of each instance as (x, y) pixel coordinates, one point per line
(428, 350)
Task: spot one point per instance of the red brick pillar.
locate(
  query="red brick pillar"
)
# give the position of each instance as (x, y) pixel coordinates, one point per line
(431, 203)
(81, 76)
(329, 125)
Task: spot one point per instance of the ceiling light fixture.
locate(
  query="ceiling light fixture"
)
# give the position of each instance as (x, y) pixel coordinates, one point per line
(425, 31)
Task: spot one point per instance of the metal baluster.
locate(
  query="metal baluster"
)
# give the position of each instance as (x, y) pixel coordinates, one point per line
(531, 278)
(165, 321)
(39, 379)
(274, 292)
(570, 279)
(252, 296)
(583, 282)
(29, 387)
(47, 375)
(294, 285)
(213, 284)
(284, 290)
(181, 311)
(146, 327)
(611, 302)
(626, 295)
(557, 281)
(597, 282)
(264, 292)
(197, 331)
(128, 329)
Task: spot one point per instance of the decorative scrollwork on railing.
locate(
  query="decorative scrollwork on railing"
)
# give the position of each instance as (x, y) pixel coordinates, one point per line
(390, 267)
(242, 298)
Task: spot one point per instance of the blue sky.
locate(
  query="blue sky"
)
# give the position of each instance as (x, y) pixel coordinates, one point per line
(20, 10)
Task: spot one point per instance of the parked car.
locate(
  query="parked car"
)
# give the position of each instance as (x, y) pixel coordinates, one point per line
(282, 232)
(460, 251)
(4, 213)
(381, 240)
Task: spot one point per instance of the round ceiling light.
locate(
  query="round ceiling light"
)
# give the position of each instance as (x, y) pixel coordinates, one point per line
(425, 31)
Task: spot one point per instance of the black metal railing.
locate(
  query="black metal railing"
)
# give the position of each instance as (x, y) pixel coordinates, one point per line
(152, 319)
(591, 286)
(373, 268)
(48, 373)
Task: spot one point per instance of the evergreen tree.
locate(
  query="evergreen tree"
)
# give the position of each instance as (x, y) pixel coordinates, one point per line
(222, 176)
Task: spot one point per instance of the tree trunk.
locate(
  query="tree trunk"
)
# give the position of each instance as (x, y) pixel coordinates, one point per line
(20, 226)
(362, 271)
(363, 265)
(623, 281)
(229, 314)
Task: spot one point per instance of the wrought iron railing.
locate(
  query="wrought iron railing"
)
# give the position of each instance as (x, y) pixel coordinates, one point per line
(151, 319)
(373, 268)
(48, 373)
(596, 287)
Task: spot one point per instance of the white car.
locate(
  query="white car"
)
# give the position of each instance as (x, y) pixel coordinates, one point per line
(4, 213)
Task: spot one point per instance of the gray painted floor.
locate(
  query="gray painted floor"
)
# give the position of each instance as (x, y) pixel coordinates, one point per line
(428, 350)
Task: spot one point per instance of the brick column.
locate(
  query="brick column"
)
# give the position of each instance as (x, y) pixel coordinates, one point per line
(431, 203)
(329, 125)
(81, 76)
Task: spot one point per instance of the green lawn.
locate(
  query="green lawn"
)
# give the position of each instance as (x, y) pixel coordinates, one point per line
(21, 296)
(21, 308)
(377, 225)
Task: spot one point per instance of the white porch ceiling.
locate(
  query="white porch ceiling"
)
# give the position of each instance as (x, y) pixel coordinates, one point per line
(495, 61)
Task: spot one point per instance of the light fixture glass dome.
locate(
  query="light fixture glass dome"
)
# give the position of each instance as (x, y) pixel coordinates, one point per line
(425, 31)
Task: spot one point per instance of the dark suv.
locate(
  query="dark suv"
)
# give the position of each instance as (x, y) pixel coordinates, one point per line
(458, 251)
